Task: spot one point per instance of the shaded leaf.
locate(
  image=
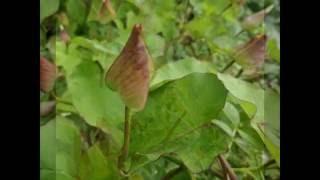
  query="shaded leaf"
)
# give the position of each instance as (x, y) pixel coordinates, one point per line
(76, 11)
(59, 150)
(94, 165)
(96, 103)
(265, 119)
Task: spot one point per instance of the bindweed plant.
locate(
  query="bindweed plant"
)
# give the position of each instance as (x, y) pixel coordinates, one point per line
(174, 89)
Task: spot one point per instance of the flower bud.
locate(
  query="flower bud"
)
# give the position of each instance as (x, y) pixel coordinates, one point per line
(252, 53)
(130, 73)
(47, 74)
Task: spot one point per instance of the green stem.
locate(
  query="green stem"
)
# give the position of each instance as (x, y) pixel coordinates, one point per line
(126, 141)
(60, 100)
(242, 31)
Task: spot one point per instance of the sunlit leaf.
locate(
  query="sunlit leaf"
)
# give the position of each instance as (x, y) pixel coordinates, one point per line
(177, 118)
(47, 8)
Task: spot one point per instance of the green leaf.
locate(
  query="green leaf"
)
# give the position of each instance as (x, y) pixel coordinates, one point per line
(96, 103)
(47, 144)
(60, 155)
(47, 8)
(268, 111)
(273, 148)
(232, 113)
(225, 127)
(60, 149)
(177, 119)
(179, 69)
(155, 45)
(273, 50)
(76, 11)
(245, 92)
(64, 59)
(94, 165)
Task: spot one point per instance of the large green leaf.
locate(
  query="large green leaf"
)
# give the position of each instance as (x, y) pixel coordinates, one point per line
(94, 165)
(60, 149)
(177, 119)
(266, 119)
(96, 103)
(245, 92)
(47, 8)
(61, 158)
(179, 69)
(76, 10)
(47, 145)
(66, 60)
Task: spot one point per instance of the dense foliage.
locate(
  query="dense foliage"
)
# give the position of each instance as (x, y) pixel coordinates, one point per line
(213, 104)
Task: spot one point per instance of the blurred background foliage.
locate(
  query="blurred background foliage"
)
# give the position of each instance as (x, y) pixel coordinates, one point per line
(239, 38)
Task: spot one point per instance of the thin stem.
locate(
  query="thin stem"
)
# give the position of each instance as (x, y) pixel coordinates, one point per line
(263, 166)
(125, 148)
(242, 31)
(173, 173)
(227, 168)
(239, 73)
(234, 134)
(228, 65)
(60, 100)
(225, 9)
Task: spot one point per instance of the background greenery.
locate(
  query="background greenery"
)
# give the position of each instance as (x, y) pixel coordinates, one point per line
(203, 101)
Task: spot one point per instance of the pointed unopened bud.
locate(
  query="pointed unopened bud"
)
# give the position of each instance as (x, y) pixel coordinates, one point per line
(106, 5)
(255, 19)
(130, 73)
(240, 2)
(253, 53)
(47, 74)
(64, 36)
(47, 107)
